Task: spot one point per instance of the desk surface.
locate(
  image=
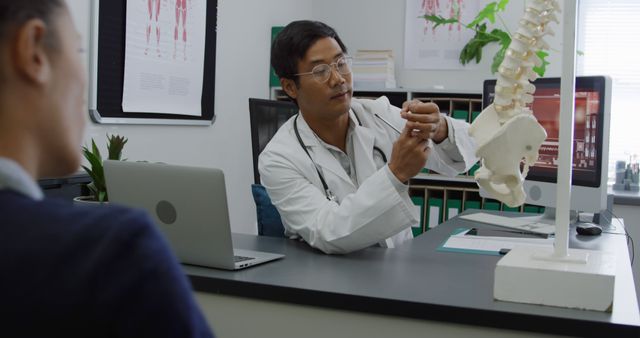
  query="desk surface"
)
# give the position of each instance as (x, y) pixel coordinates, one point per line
(415, 280)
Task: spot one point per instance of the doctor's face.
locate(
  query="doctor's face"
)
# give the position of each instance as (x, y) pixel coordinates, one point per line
(326, 100)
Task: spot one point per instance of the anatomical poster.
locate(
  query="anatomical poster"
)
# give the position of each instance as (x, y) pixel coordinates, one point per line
(429, 47)
(164, 56)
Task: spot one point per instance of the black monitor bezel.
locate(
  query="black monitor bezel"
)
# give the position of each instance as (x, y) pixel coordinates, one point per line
(594, 83)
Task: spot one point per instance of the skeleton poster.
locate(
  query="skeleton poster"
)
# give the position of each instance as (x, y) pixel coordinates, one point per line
(431, 47)
(164, 56)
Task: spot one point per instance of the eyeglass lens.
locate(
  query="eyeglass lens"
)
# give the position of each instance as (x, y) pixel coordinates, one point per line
(322, 72)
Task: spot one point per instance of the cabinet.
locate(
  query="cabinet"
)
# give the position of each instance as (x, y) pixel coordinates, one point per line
(439, 197)
(67, 187)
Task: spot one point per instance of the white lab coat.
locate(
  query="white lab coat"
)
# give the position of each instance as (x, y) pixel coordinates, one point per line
(374, 212)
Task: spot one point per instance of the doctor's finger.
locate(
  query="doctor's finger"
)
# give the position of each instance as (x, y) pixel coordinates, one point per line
(423, 130)
(407, 141)
(407, 105)
(422, 108)
(422, 118)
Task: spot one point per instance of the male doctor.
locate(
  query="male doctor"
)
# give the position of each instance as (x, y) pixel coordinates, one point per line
(337, 172)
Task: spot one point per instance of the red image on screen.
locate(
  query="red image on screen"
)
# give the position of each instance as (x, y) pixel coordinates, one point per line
(546, 108)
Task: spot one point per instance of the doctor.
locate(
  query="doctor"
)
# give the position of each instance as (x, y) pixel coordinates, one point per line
(337, 172)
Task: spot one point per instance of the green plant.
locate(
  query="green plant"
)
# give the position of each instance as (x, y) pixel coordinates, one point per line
(483, 37)
(98, 186)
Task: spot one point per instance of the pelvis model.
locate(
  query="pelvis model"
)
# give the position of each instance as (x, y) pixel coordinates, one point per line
(506, 131)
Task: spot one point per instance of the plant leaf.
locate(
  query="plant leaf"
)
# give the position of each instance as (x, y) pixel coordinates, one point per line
(90, 172)
(543, 68)
(502, 4)
(488, 13)
(94, 191)
(497, 60)
(504, 41)
(439, 20)
(473, 49)
(97, 171)
(115, 144)
(503, 37)
(95, 150)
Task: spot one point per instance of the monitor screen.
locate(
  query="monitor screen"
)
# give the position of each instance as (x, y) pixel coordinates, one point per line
(588, 128)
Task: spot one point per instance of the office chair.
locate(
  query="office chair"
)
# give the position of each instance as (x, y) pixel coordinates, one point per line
(266, 116)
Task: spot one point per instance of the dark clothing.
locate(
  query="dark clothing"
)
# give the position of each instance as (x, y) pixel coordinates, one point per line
(89, 271)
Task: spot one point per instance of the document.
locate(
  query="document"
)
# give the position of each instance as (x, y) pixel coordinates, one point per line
(461, 241)
(164, 56)
(453, 208)
(434, 211)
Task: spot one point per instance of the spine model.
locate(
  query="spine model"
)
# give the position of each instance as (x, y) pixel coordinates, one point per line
(506, 131)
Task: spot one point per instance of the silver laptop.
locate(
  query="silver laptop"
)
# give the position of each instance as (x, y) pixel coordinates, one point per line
(189, 205)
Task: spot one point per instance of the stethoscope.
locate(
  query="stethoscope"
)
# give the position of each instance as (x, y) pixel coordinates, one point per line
(330, 196)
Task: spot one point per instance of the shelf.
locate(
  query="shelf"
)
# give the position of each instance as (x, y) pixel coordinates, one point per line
(442, 178)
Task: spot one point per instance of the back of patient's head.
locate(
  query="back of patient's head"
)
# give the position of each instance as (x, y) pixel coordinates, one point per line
(42, 85)
(14, 13)
(293, 42)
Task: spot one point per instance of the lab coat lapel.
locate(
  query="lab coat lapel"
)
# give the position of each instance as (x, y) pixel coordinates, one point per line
(363, 142)
(323, 158)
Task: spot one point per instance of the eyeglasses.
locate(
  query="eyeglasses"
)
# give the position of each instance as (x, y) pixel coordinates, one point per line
(322, 73)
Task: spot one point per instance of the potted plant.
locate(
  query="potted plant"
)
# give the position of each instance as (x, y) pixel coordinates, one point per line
(98, 187)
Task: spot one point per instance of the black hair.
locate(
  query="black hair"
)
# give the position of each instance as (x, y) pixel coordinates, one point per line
(293, 42)
(14, 13)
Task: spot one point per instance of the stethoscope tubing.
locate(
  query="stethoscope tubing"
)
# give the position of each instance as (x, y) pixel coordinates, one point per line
(328, 194)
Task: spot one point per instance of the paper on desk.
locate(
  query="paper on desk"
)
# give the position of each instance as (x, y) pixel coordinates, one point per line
(460, 242)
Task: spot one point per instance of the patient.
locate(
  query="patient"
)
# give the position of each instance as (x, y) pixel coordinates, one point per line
(70, 271)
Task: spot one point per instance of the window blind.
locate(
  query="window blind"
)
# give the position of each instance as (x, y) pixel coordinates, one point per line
(609, 38)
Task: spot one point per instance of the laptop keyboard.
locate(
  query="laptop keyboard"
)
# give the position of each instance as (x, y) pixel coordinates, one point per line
(237, 259)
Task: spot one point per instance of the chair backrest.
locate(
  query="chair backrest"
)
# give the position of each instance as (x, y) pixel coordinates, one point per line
(266, 116)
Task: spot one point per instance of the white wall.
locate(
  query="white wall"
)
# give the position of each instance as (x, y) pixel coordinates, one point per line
(379, 24)
(242, 71)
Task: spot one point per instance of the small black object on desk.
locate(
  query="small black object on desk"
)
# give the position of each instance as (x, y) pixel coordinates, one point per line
(588, 229)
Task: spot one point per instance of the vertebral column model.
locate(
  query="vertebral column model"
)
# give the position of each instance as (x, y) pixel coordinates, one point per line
(154, 8)
(506, 131)
(181, 12)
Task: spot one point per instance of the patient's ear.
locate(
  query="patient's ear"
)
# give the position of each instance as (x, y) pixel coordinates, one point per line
(29, 51)
(289, 86)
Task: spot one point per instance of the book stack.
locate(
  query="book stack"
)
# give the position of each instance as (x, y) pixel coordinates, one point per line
(374, 69)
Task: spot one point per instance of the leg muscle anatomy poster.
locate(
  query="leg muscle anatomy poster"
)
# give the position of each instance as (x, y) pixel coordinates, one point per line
(164, 56)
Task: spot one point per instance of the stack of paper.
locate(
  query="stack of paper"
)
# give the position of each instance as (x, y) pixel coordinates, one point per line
(374, 69)
(462, 241)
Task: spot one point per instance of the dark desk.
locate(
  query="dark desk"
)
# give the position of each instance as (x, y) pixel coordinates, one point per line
(416, 281)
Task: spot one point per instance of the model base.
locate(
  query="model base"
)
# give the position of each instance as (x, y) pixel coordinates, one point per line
(585, 279)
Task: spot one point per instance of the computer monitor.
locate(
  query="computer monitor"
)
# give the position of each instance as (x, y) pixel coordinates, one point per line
(266, 117)
(590, 142)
